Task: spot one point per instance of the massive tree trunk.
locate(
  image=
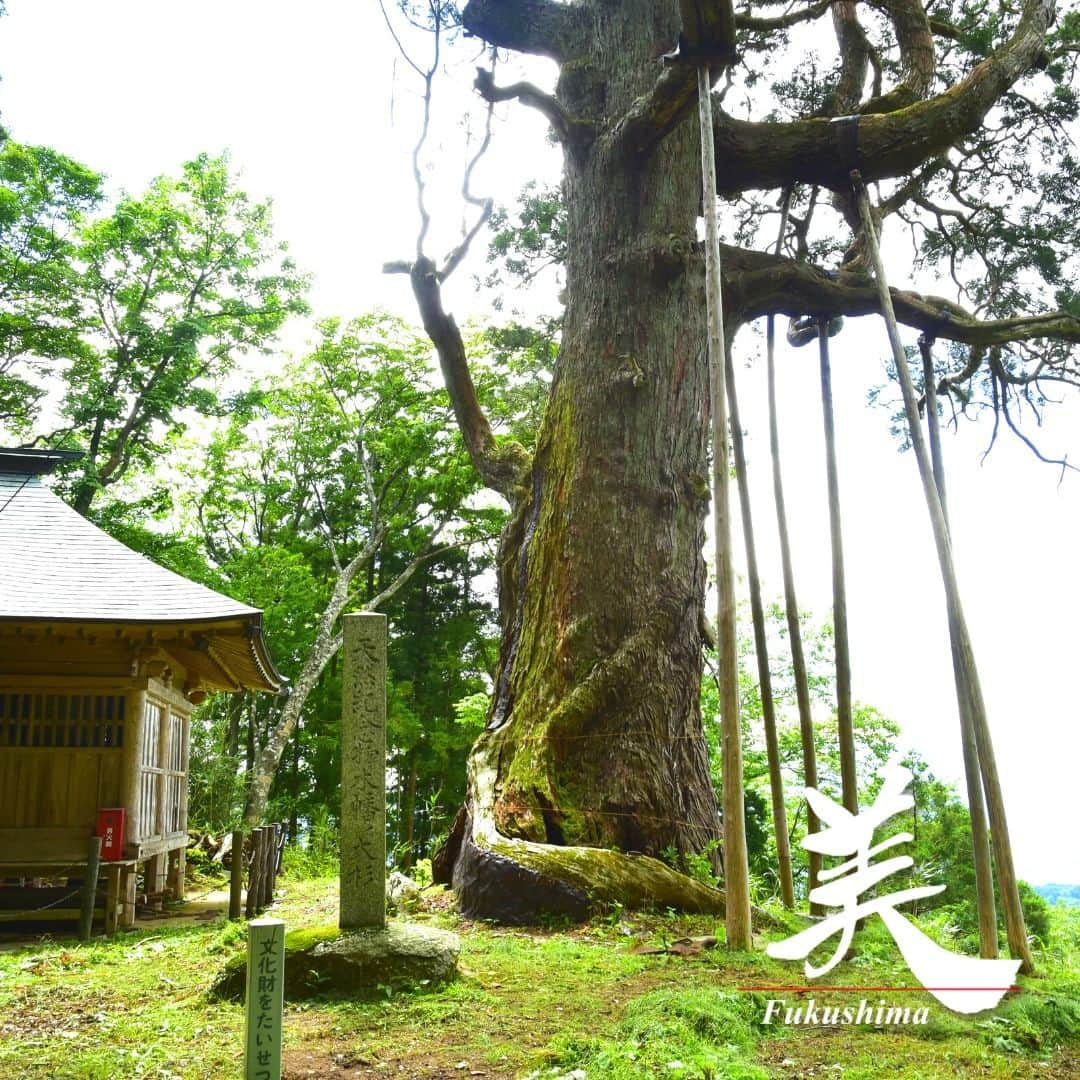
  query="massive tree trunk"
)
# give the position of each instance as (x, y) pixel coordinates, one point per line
(595, 737)
(596, 728)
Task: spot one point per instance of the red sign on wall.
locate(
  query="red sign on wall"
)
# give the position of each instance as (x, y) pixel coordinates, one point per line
(110, 827)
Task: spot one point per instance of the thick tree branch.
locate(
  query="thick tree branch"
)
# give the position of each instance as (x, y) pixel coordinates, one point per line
(569, 129)
(918, 63)
(659, 111)
(542, 27)
(757, 284)
(503, 467)
(855, 55)
(745, 21)
(884, 145)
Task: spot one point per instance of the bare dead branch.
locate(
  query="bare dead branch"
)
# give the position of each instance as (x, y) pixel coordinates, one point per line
(486, 204)
(503, 467)
(999, 380)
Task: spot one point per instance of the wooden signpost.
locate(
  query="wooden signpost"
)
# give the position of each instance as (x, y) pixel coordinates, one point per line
(265, 999)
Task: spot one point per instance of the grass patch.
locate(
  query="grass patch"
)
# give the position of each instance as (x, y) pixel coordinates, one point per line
(676, 1033)
(548, 1002)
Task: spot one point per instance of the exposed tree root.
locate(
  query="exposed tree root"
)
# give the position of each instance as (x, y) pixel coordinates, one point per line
(521, 881)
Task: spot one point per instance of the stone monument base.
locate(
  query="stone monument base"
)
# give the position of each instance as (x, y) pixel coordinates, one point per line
(356, 963)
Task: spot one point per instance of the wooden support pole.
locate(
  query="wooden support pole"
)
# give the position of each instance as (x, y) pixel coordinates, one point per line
(736, 862)
(848, 778)
(265, 840)
(127, 896)
(1015, 929)
(791, 609)
(270, 866)
(154, 877)
(761, 651)
(265, 999)
(254, 874)
(986, 906)
(177, 872)
(236, 875)
(275, 862)
(112, 898)
(89, 888)
(134, 827)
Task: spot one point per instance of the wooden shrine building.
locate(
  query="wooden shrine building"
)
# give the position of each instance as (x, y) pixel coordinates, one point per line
(103, 656)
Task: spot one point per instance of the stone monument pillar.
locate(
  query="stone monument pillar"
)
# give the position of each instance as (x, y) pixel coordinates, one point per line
(367, 955)
(363, 772)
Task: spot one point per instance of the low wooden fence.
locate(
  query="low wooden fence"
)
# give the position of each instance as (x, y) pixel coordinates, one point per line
(260, 856)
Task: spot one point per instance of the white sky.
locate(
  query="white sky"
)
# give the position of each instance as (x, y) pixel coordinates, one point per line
(318, 114)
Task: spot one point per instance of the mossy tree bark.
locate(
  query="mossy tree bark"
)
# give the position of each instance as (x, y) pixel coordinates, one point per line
(596, 722)
(595, 737)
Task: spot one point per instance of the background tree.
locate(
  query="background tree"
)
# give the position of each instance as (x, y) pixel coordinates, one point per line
(43, 198)
(167, 291)
(347, 469)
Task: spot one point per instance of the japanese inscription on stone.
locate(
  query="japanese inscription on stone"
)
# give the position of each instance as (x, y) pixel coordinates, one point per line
(363, 772)
(265, 998)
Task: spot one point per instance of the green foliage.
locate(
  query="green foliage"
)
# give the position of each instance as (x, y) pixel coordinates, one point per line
(529, 239)
(347, 468)
(1033, 1023)
(150, 304)
(315, 855)
(939, 822)
(512, 366)
(1036, 912)
(44, 197)
(875, 742)
(531, 1003)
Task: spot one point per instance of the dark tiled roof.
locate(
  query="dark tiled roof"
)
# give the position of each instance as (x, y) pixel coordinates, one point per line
(54, 564)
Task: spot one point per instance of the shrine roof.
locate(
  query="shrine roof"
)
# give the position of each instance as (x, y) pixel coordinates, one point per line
(56, 566)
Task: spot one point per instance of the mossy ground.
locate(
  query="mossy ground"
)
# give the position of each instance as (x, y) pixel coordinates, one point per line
(542, 1002)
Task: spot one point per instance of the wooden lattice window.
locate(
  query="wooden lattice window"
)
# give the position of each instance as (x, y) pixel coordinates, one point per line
(150, 769)
(62, 720)
(175, 780)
